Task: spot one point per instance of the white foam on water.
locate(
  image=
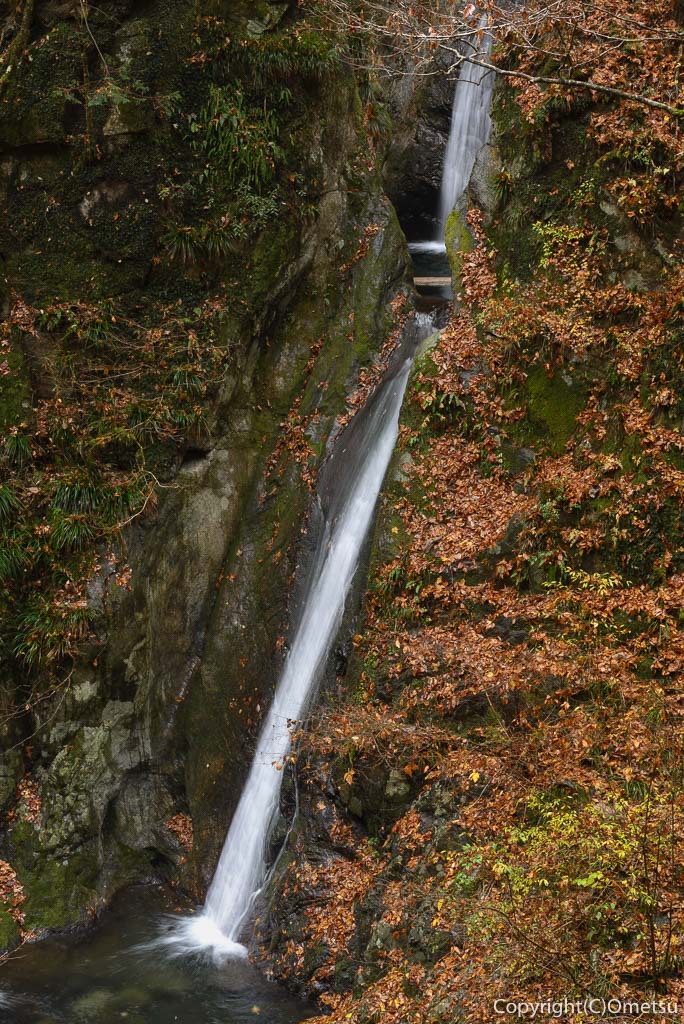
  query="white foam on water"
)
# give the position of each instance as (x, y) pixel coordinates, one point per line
(183, 936)
(438, 248)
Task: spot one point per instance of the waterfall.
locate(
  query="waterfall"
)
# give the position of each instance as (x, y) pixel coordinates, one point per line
(468, 133)
(354, 487)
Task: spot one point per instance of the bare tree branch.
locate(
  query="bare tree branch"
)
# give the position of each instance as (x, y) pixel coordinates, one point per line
(575, 83)
(578, 35)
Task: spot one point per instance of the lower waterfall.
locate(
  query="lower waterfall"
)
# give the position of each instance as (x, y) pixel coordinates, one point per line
(242, 867)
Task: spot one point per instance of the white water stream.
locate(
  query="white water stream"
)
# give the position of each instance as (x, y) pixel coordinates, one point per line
(241, 870)
(242, 867)
(468, 133)
(470, 129)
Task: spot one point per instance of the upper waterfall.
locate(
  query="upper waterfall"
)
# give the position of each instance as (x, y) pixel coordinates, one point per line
(468, 133)
(470, 129)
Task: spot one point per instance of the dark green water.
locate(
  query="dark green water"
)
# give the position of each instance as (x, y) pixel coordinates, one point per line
(101, 978)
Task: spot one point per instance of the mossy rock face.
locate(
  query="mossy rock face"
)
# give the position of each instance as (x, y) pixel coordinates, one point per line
(553, 404)
(384, 266)
(11, 767)
(91, 781)
(267, 17)
(88, 153)
(35, 103)
(482, 187)
(15, 393)
(239, 663)
(9, 931)
(252, 16)
(59, 892)
(127, 117)
(459, 242)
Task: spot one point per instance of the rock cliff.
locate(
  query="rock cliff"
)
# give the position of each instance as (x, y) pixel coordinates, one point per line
(198, 260)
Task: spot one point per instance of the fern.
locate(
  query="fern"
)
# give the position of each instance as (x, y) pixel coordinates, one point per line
(46, 633)
(296, 57)
(17, 450)
(14, 556)
(9, 504)
(238, 143)
(70, 533)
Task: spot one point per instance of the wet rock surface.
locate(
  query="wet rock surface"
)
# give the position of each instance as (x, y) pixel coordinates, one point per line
(421, 112)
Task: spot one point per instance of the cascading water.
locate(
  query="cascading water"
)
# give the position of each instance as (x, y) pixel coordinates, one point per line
(470, 128)
(468, 133)
(242, 867)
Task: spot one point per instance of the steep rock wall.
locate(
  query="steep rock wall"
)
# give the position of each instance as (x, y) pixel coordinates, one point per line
(150, 726)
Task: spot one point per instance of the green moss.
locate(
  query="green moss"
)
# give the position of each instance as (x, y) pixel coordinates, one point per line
(33, 107)
(128, 117)
(9, 932)
(459, 242)
(58, 891)
(11, 770)
(384, 264)
(15, 394)
(548, 174)
(423, 363)
(275, 250)
(240, 11)
(553, 406)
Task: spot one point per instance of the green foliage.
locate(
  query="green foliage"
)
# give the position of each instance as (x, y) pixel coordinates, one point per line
(302, 56)
(468, 879)
(131, 391)
(9, 504)
(237, 143)
(204, 242)
(187, 381)
(70, 533)
(77, 493)
(442, 408)
(89, 326)
(258, 210)
(503, 185)
(599, 582)
(17, 449)
(117, 93)
(15, 555)
(578, 871)
(46, 632)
